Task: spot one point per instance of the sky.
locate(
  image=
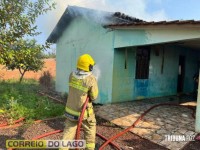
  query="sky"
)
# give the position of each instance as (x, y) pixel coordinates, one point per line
(148, 10)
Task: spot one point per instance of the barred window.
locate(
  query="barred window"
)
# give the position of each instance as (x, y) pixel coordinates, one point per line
(142, 62)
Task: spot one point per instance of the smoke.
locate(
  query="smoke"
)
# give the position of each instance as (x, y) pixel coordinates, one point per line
(101, 17)
(96, 72)
(134, 8)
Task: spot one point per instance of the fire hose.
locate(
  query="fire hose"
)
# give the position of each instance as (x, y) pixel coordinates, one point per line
(81, 119)
(126, 130)
(80, 122)
(108, 141)
(137, 121)
(15, 122)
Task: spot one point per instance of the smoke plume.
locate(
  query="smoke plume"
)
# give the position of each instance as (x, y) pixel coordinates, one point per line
(135, 8)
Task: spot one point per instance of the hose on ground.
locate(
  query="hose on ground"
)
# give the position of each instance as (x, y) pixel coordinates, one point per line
(137, 121)
(47, 134)
(108, 141)
(15, 122)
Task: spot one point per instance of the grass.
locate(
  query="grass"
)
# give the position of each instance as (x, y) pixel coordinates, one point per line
(21, 100)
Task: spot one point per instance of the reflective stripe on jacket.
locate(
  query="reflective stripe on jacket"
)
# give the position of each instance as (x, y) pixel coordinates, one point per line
(81, 86)
(87, 113)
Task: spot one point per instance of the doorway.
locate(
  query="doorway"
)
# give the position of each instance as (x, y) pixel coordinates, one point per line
(181, 74)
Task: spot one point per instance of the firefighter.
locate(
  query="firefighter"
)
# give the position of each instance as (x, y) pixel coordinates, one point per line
(82, 84)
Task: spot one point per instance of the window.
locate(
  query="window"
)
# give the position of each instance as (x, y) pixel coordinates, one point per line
(142, 62)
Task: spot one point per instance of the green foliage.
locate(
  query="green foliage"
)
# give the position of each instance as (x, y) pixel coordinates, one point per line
(21, 100)
(17, 20)
(51, 54)
(25, 56)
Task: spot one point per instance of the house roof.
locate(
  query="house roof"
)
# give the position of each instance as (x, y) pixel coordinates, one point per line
(154, 24)
(102, 17)
(114, 20)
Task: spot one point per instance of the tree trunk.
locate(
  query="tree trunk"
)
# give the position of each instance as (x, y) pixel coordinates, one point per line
(22, 74)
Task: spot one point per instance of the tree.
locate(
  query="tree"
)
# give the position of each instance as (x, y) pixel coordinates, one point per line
(17, 18)
(50, 54)
(25, 56)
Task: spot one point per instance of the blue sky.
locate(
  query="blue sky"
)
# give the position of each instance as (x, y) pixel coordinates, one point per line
(150, 10)
(176, 9)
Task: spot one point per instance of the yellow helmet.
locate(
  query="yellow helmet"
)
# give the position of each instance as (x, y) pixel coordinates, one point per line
(85, 62)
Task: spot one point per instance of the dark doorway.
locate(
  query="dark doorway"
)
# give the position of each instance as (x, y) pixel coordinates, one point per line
(181, 74)
(142, 62)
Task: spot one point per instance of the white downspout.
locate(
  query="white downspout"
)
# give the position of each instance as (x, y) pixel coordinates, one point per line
(197, 124)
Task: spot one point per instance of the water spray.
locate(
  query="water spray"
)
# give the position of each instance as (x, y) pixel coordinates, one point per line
(96, 72)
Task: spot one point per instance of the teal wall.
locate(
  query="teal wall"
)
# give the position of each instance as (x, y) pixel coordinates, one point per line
(83, 36)
(123, 78)
(192, 60)
(162, 84)
(137, 37)
(126, 87)
(117, 84)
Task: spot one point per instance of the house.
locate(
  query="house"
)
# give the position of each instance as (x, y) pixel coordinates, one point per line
(137, 59)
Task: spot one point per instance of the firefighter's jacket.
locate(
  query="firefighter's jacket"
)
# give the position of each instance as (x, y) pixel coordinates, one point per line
(81, 85)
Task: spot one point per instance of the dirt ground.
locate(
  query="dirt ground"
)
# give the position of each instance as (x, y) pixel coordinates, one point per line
(129, 141)
(126, 142)
(49, 65)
